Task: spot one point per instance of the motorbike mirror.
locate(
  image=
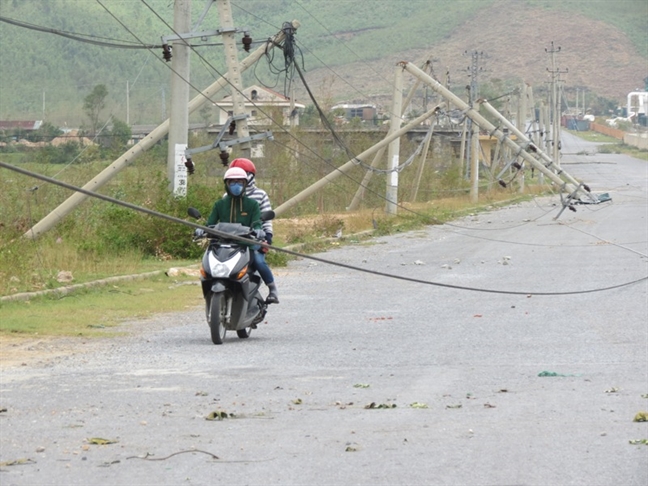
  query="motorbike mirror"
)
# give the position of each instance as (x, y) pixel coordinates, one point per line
(267, 215)
(194, 213)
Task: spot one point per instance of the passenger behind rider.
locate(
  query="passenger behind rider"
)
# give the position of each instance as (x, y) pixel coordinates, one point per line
(261, 197)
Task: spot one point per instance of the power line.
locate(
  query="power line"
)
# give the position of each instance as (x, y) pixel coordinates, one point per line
(88, 38)
(94, 39)
(301, 5)
(310, 51)
(301, 255)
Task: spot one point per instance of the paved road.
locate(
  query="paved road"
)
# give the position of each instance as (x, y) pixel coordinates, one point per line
(341, 340)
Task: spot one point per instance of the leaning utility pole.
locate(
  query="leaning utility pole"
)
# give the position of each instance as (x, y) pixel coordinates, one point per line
(313, 188)
(231, 58)
(523, 149)
(179, 116)
(151, 139)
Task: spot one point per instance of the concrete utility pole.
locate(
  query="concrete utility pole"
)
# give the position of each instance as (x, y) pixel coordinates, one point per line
(495, 131)
(179, 116)
(151, 139)
(473, 151)
(521, 123)
(127, 103)
(391, 195)
(536, 125)
(367, 177)
(355, 202)
(419, 172)
(231, 57)
(555, 103)
(313, 188)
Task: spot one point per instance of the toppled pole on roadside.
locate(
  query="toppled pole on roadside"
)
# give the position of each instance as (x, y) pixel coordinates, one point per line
(529, 143)
(522, 150)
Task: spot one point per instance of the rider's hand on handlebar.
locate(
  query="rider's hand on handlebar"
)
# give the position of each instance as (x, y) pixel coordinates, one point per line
(199, 233)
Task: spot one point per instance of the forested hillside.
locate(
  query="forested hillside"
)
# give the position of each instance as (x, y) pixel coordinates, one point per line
(349, 48)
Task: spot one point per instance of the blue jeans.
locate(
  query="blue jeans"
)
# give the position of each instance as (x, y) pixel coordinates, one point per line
(262, 267)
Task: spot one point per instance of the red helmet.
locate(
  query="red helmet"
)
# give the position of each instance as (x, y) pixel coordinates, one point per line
(246, 164)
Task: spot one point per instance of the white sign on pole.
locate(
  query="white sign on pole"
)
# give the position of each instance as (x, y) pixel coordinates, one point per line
(393, 175)
(180, 172)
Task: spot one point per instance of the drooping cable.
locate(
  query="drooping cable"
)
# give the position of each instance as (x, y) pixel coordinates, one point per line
(301, 255)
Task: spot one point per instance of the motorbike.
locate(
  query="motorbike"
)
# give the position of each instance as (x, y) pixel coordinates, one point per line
(230, 285)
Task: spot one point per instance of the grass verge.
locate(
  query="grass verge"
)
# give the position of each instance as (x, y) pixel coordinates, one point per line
(99, 311)
(613, 145)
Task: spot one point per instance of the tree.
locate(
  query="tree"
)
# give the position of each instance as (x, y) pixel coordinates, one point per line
(120, 134)
(93, 104)
(45, 133)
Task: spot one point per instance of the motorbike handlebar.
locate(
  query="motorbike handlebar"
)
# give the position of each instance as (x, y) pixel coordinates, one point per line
(254, 234)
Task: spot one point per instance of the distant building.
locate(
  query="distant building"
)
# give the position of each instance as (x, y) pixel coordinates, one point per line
(261, 104)
(28, 126)
(638, 106)
(366, 112)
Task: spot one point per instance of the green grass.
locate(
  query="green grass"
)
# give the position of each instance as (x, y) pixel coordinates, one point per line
(613, 145)
(98, 311)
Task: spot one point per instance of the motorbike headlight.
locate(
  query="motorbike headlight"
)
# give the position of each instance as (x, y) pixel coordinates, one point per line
(220, 270)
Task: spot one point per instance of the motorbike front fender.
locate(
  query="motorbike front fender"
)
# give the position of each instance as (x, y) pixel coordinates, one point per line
(218, 287)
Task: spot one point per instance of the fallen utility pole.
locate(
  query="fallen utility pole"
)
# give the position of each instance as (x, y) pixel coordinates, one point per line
(526, 140)
(353, 162)
(151, 139)
(496, 132)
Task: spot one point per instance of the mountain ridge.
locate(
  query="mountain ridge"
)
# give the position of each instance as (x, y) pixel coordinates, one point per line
(356, 44)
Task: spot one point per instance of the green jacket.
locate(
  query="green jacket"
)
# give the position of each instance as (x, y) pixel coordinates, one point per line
(236, 210)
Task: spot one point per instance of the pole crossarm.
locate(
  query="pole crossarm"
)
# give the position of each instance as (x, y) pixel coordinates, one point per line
(476, 117)
(218, 143)
(147, 142)
(202, 34)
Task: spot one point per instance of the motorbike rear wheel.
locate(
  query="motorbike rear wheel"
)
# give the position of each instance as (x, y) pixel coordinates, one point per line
(216, 317)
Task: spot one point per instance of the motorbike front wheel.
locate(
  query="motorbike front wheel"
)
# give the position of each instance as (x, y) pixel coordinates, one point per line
(244, 333)
(216, 317)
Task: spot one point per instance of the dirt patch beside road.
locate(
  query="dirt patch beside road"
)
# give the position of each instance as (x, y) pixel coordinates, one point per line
(23, 351)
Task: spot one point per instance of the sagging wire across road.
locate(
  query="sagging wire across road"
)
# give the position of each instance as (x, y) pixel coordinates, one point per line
(301, 255)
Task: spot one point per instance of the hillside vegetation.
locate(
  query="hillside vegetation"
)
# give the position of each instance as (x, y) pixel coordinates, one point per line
(349, 48)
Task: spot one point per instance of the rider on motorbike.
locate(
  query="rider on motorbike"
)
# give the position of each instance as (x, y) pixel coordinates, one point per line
(235, 206)
(260, 196)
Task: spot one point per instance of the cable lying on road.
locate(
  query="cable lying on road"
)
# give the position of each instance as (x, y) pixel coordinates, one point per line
(301, 255)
